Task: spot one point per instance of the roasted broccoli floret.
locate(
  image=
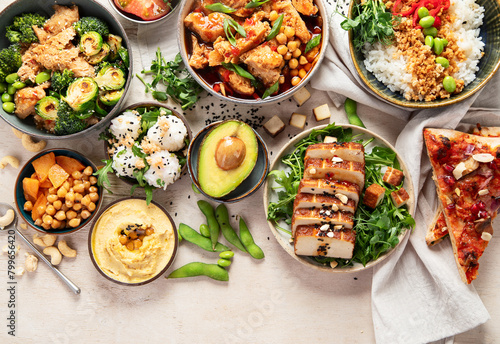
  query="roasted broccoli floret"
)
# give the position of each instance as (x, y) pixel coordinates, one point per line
(21, 30)
(87, 24)
(60, 81)
(67, 121)
(10, 60)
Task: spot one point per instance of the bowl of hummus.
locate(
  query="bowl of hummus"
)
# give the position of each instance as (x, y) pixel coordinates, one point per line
(133, 243)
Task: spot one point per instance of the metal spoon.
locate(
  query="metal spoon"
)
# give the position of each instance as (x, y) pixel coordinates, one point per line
(3, 210)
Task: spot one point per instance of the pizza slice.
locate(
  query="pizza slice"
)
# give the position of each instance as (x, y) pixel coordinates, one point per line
(466, 170)
(437, 231)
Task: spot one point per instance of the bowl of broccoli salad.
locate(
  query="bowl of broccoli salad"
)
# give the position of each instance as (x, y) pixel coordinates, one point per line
(64, 68)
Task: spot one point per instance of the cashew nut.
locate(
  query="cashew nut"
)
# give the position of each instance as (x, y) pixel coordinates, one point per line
(18, 134)
(5, 249)
(19, 271)
(55, 255)
(23, 226)
(9, 160)
(44, 240)
(31, 262)
(65, 249)
(7, 218)
(31, 145)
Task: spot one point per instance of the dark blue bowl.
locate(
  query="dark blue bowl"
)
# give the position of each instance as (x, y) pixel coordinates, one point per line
(28, 170)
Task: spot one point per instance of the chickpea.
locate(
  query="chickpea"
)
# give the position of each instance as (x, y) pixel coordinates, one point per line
(79, 189)
(94, 197)
(273, 16)
(149, 231)
(55, 224)
(85, 214)
(93, 189)
(133, 235)
(38, 222)
(282, 79)
(62, 225)
(289, 32)
(77, 206)
(281, 38)
(60, 215)
(47, 219)
(66, 185)
(74, 222)
(130, 246)
(64, 207)
(57, 204)
(70, 181)
(77, 182)
(293, 63)
(282, 49)
(52, 191)
(88, 171)
(71, 214)
(70, 196)
(282, 29)
(294, 72)
(308, 67)
(86, 185)
(28, 206)
(51, 210)
(303, 60)
(302, 73)
(292, 46)
(91, 207)
(85, 200)
(41, 209)
(69, 204)
(288, 56)
(93, 180)
(85, 178)
(123, 239)
(61, 192)
(78, 197)
(295, 81)
(297, 53)
(52, 198)
(137, 244)
(76, 175)
(46, 226)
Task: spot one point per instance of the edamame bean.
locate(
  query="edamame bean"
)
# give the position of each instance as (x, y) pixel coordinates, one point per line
(7, 98)
(42, 77)
(223, 262)
(350, 108)
(213, 271)
(438, 46)
(427, 21)
(226, 254)
(189, 234)
(11, 89)
(430, 31)
(208, 211)
(11, 78)
(9, 107)
(3, 87)
(18, 85)
(443, 61)
(445, 41)
(222, 217)
(247, 240)
(449, 84)
(204, 230)
(429, 41)
(423, 12)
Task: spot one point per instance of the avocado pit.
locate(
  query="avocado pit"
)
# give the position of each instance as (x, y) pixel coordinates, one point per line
(230, 153)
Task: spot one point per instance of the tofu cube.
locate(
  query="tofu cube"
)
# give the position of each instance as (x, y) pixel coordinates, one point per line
(400, 197)
(373, 195)
(274, 126)
(297, 120)
(322, 112)
(301, 96)
(393, 176)
(329, 139)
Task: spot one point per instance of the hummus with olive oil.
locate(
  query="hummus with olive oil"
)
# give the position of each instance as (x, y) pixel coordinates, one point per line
(127, 223)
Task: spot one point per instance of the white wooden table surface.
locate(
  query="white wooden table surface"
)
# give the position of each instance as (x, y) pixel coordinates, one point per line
(276, 300)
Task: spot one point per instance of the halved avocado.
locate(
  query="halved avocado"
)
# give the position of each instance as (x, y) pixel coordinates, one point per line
(227, 156)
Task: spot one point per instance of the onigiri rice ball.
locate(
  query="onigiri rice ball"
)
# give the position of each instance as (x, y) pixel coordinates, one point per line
(127, 123)
(168, 132)
(124, 162)
(164, 169)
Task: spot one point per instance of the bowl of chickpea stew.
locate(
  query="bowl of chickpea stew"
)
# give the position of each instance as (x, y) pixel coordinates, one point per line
(56, 191)
(253, 52)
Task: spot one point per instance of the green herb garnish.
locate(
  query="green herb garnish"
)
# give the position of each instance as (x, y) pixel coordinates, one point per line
(218, 7)
(271, 90)
(276, 28)
(255, 3)
(229, 24)
(238, 70)
(377, 230)
(102, 174)
(312, 43)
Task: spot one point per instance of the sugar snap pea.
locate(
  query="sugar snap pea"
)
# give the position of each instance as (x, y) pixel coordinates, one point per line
(189, 234)
(194, 269)
(223, 219)
(208, 211)
(204, 230)
(247, 240)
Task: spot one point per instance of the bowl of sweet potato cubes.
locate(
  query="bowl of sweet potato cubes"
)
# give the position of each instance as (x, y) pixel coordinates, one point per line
(56, 191)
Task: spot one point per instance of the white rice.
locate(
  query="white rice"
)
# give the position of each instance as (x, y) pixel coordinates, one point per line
(388, 65)
(168, 132)
(128, 123)
(164, 169)
(124, 162)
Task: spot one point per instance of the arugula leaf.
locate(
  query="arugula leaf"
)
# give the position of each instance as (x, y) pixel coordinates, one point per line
(276, 28)
(271, 90)
(312, 43)
(102, 174)
(218, 7)
(255, 3)
(238, 70)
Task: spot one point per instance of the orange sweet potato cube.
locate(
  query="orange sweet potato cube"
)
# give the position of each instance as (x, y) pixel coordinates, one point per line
(43, 164)
(57, 175)
(39, 207)
(30, 188)
(70, 165)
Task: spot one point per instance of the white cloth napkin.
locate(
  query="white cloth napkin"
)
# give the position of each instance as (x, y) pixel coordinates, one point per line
(417, 294)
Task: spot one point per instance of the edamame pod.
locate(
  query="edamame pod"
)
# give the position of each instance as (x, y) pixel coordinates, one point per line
(208, 211)
(222, 217)
(350, 107)
(194, 269)
(247, 240)
(189, 234)
(195, 189)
